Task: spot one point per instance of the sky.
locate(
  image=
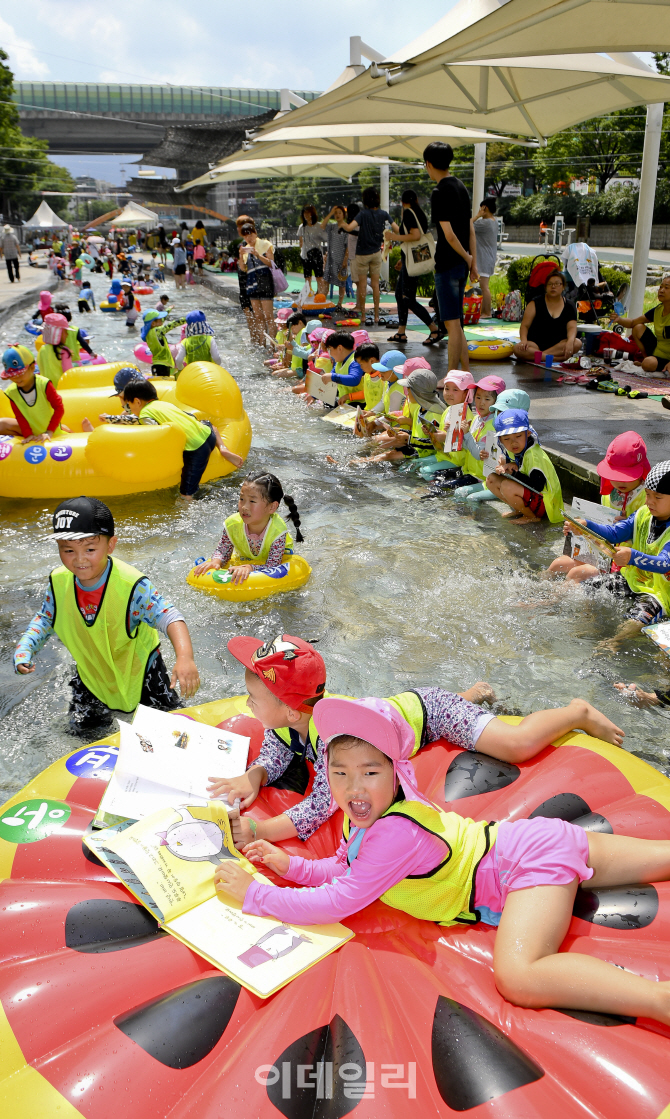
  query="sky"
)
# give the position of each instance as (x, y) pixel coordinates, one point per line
(213, 42)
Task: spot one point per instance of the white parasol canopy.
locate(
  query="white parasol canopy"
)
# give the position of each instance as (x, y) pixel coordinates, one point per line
(45, 218)
(336, 166)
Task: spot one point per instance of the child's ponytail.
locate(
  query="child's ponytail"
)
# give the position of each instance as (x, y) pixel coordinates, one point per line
(272, 490)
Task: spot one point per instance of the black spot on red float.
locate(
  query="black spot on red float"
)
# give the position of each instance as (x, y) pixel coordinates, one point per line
(182, 1027)
(595, 1019)
(593, 821)
(314, 1071)
(471, 774)
(618, 907)
(563, 806)
(106, 925)
(473, 1061)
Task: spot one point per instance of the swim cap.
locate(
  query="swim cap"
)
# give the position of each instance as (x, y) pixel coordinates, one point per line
(15, 360)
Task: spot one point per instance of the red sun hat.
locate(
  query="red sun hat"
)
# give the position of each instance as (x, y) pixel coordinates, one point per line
(289, 667)
(625, 459)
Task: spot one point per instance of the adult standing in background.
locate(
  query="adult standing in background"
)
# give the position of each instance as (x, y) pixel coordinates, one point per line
(199, 234)
(353, 209)
(179, 264)
(11, 250)
(338, 250)
(162, 244)
(456, 252)
(413, 224)
(245, 303)
(258, 255)
(311, 237)
(370, 223)
(486, 233)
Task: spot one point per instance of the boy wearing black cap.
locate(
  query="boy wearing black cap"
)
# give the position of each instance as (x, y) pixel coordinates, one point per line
(106, 613)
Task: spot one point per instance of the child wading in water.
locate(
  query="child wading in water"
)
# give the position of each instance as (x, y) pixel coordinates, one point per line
(440, 867)
(286, 677)
(255, 536)
(525, 479)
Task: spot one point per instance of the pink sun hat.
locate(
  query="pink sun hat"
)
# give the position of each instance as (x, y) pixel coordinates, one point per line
(491, 383)
(410, 365)
(375, 721)
(460, 378)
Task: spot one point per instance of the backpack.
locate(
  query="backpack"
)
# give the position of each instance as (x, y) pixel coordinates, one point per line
(512, 311)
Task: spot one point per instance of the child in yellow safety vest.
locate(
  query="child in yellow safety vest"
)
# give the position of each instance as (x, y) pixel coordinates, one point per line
(61, 346)
(525, 478)
(622, 473)
(255, 537)
(643, 555)
(439, 866)
(201, 436)
(286, 678)
(37, 407)
(392, 401)
(457, 392)
(107, 615)
(425, 410)
(470, 476)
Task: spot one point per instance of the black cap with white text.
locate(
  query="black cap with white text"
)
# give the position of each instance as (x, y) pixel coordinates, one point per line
(79, 517)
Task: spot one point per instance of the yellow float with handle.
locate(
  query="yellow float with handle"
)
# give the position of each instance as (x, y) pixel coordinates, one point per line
(293, 572)
(493, 349)
(113, 460)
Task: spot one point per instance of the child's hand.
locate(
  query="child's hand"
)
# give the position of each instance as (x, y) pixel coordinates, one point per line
(187, 674)
(260, 851)
(568, 528)
(241, 829)
(464, 425)
(483, 455)
(24, 669)
(44, 437)
(243, 788)
(209, 565)
(622, 557)
(326, 378)
(239, 574)
(229, 878)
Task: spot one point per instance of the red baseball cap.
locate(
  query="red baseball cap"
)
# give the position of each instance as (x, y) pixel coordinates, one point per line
(625, 459)
(289, 667)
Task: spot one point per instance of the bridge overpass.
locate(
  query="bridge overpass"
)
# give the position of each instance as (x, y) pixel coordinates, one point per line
(85, 117)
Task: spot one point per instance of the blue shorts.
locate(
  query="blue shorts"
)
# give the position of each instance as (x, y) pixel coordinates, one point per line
(450, 290)
(195, 464)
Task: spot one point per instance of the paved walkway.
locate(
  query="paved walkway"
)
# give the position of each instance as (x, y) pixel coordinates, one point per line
(607, 253)
(25, 291)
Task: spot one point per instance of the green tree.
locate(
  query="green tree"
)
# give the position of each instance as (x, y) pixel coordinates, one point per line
(603, 147)
(25, 168)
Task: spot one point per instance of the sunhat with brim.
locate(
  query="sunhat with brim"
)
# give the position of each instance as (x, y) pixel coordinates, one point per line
(289, 667)
(149, 316)
(283, 315)
(313, 324)
(422, 383)
(625, 459)
(16, 360)
(410, 365)
(375, 721)
(491, 384)
(511, 398)
(512, 422)
(462, 379)
(658, 478)
(390, 360)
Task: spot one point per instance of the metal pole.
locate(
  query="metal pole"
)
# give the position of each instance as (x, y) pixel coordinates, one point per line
(645, 207)
(478, 176)
(384, 201)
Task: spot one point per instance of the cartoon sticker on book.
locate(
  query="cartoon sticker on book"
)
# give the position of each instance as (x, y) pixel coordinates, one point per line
(180, 739)
(273, 945)
(196, 841)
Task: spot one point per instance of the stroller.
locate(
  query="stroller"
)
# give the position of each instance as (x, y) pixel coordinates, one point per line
(593, 298)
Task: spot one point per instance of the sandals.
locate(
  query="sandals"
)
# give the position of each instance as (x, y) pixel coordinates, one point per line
(397, 338)
(432, 338)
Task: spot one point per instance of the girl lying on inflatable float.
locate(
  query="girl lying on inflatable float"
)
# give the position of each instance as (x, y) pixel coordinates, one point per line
(399, 847)
(254, 557)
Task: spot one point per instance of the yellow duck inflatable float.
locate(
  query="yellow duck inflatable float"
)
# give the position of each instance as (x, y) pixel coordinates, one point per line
(113, 460)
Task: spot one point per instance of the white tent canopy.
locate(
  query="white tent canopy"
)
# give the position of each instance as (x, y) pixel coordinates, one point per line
(391, 139)
(44, 218)
(134, 214)
(532, 97)
(335, 166)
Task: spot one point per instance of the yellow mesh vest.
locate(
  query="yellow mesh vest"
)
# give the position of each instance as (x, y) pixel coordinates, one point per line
(648, 582)
(234, 526)
(109, 661)
(373, 387)
(41, 412)
(445, 895)
(456, 458)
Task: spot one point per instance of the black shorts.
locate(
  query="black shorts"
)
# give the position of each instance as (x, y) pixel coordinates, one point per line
(195, 464)
(88, 714)
(161, 371)
(180, 270)
(260, 284)
(245, 302)
(649, 343)
(313, 264)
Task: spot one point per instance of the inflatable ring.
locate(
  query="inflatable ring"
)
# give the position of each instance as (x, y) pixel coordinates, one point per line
(293, 572)
(97, 1004)
(105, 306)
(143, 291)
(33, 328)
(496, 350)
(117, 459)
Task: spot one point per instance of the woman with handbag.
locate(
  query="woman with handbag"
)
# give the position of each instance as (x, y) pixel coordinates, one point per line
(257, 254)
(337, 250)
(413, 229)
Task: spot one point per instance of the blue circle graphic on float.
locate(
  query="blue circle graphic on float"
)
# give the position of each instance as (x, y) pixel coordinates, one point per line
(35, 454)
(61, 452)
(93, 761)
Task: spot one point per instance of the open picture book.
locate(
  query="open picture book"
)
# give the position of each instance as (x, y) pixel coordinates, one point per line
(167, 861)
(659, 634)
(590, 543)
(585, 548)
(165, 759)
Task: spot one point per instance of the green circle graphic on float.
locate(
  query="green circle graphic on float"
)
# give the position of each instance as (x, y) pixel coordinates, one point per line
(31, 820)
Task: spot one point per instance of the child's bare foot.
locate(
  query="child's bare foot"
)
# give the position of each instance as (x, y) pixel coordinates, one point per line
(521, 518)
(479, 693)
(329, 458)
(86, 425)
(634, 693)
(596, 724)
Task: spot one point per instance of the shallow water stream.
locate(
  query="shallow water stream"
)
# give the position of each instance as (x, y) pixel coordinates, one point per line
(403, 592)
